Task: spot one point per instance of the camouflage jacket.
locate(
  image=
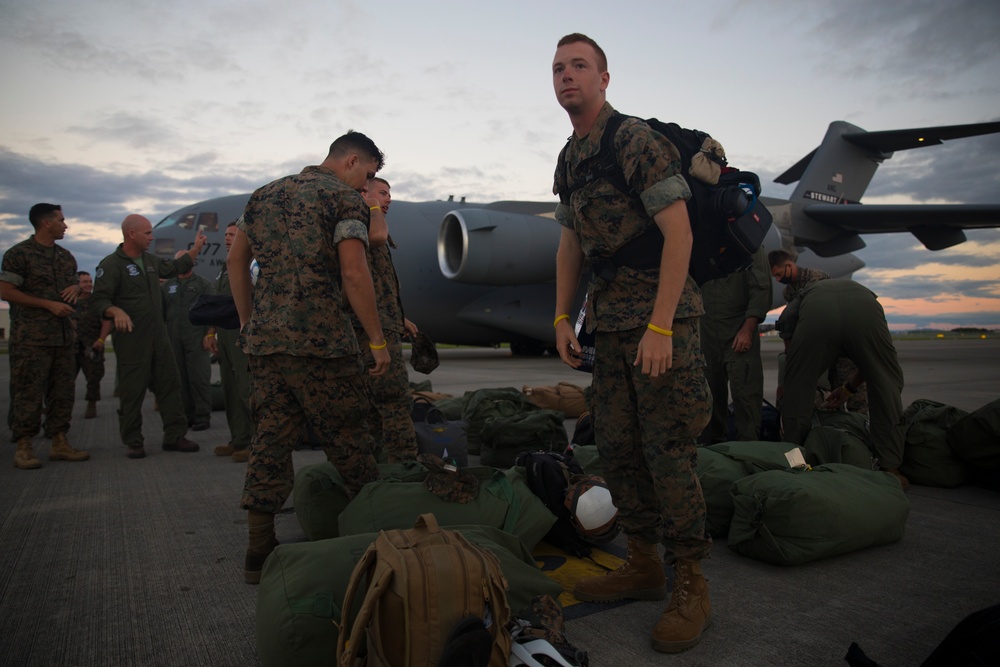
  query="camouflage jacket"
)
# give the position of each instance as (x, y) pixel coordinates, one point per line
(41, 272)
(805, 277)
(604, 219)
(390, 308)
(293, 226)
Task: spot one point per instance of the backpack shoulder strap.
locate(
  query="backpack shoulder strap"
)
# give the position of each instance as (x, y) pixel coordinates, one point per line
(349, 644)
(603, 165)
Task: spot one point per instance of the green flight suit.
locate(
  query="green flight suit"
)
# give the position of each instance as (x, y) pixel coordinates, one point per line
(143, 355)
(729, 302)
(841, 317)
(194, 362)
(235, 376)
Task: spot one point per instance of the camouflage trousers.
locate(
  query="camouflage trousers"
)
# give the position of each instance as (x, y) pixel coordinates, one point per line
(93, 371)
(41, 375)
(391, 420)
(286, 393)
(645, 432)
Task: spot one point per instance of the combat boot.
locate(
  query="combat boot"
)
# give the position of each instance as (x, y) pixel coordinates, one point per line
(91, 411)
(689, 611)
(24, 458)
(224, 450)
(262, 542)
(241, 455)
(640, 577)
(61, 451)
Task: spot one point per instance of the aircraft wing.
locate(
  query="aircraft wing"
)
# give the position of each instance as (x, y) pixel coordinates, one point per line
(937, 226)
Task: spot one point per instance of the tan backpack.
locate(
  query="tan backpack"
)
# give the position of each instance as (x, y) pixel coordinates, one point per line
(431, 598)
(565, 397)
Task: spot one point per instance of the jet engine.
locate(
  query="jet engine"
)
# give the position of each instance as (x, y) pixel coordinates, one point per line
(486, 247)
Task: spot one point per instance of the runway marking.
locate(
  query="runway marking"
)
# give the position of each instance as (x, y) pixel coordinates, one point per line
(566, 570)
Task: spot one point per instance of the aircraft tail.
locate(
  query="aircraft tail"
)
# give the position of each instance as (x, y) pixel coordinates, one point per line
(839, 171)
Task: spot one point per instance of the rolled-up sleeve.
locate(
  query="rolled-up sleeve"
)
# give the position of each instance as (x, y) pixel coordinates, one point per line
(12, 278)
(565, 216)
(665, 193)
(350, 229)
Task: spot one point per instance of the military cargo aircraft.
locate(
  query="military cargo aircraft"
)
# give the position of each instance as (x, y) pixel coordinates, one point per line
(483, 274)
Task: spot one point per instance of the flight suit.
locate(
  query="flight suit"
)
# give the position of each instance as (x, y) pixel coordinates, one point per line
(391, 421)
(143, 355)
(194, 362)
(843, 368)
(729, 302)
(89, 360)
(235, 376)
(305, 364)
(42, 366)
(645, 427)
(842, 317)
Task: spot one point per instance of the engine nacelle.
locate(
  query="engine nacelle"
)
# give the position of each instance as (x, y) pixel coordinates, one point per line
(484, 247)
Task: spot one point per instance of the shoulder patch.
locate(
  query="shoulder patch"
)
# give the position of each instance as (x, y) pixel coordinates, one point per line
(99, 273)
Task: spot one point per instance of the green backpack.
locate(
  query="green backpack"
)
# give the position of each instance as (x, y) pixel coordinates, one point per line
(503, 438)
(480, 405)
(927, 458)
(975, 438)
(790, 517)
(840, 437)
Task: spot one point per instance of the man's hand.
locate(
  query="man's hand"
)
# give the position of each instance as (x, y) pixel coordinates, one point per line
(836, 398)
(199, 241)
(121, 319)
(98, 345)
(71, 294)
(59, 308)
(655, 355)
(567, 344)
(411, 328)
(382, 359)
(210, 344)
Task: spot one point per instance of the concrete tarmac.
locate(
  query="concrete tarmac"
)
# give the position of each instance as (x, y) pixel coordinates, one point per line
(122, 562)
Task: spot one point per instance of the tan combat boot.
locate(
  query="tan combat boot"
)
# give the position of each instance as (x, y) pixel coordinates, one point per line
(91, 411)
(241, 455)
(262, 543)
(61, 451)
(689, 611)
(638, 578)
(24, 458)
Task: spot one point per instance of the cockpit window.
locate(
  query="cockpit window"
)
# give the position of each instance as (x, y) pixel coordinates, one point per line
(208, 221)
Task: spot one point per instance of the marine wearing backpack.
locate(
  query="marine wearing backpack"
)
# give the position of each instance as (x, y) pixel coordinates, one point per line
(728, 221)
(431, 598)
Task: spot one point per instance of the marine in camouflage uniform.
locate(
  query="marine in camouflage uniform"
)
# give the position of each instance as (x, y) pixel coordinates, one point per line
(390, 421)
(88, 352)
(308, 233)
(796, 278)
(832, 317)
(194, 362)
(127, 290)
(38, 278)
(734, 306)
(651, 399)
(235, 370)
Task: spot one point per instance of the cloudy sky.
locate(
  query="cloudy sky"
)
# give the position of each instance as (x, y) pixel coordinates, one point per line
(126, 106)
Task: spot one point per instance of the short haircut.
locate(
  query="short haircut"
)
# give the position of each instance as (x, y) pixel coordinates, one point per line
(573, 38)
(82, 273)
(40, 212)
(778, 257)
(232, 224)
(382, 181)
(356, 142)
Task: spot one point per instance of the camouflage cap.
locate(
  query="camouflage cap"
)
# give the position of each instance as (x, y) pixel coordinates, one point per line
(448, 482)
(424, 357)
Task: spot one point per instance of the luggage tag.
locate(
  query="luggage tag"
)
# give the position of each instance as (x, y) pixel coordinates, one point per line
(796, 461)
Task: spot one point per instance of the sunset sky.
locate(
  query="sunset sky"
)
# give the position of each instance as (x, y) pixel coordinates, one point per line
(122, 106)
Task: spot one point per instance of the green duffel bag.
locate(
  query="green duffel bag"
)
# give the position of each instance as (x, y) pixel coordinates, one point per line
(319, 494)
(500, 502)
(840, 437)
(302, 588)
(721, 464)
(589, 459)
(451, 408)
(503, 438)
(790, 517)
(975, 438)
(481, 404)
(927, 458)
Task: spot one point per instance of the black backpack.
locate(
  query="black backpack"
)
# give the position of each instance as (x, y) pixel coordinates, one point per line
(548, 476)
(728, 220)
